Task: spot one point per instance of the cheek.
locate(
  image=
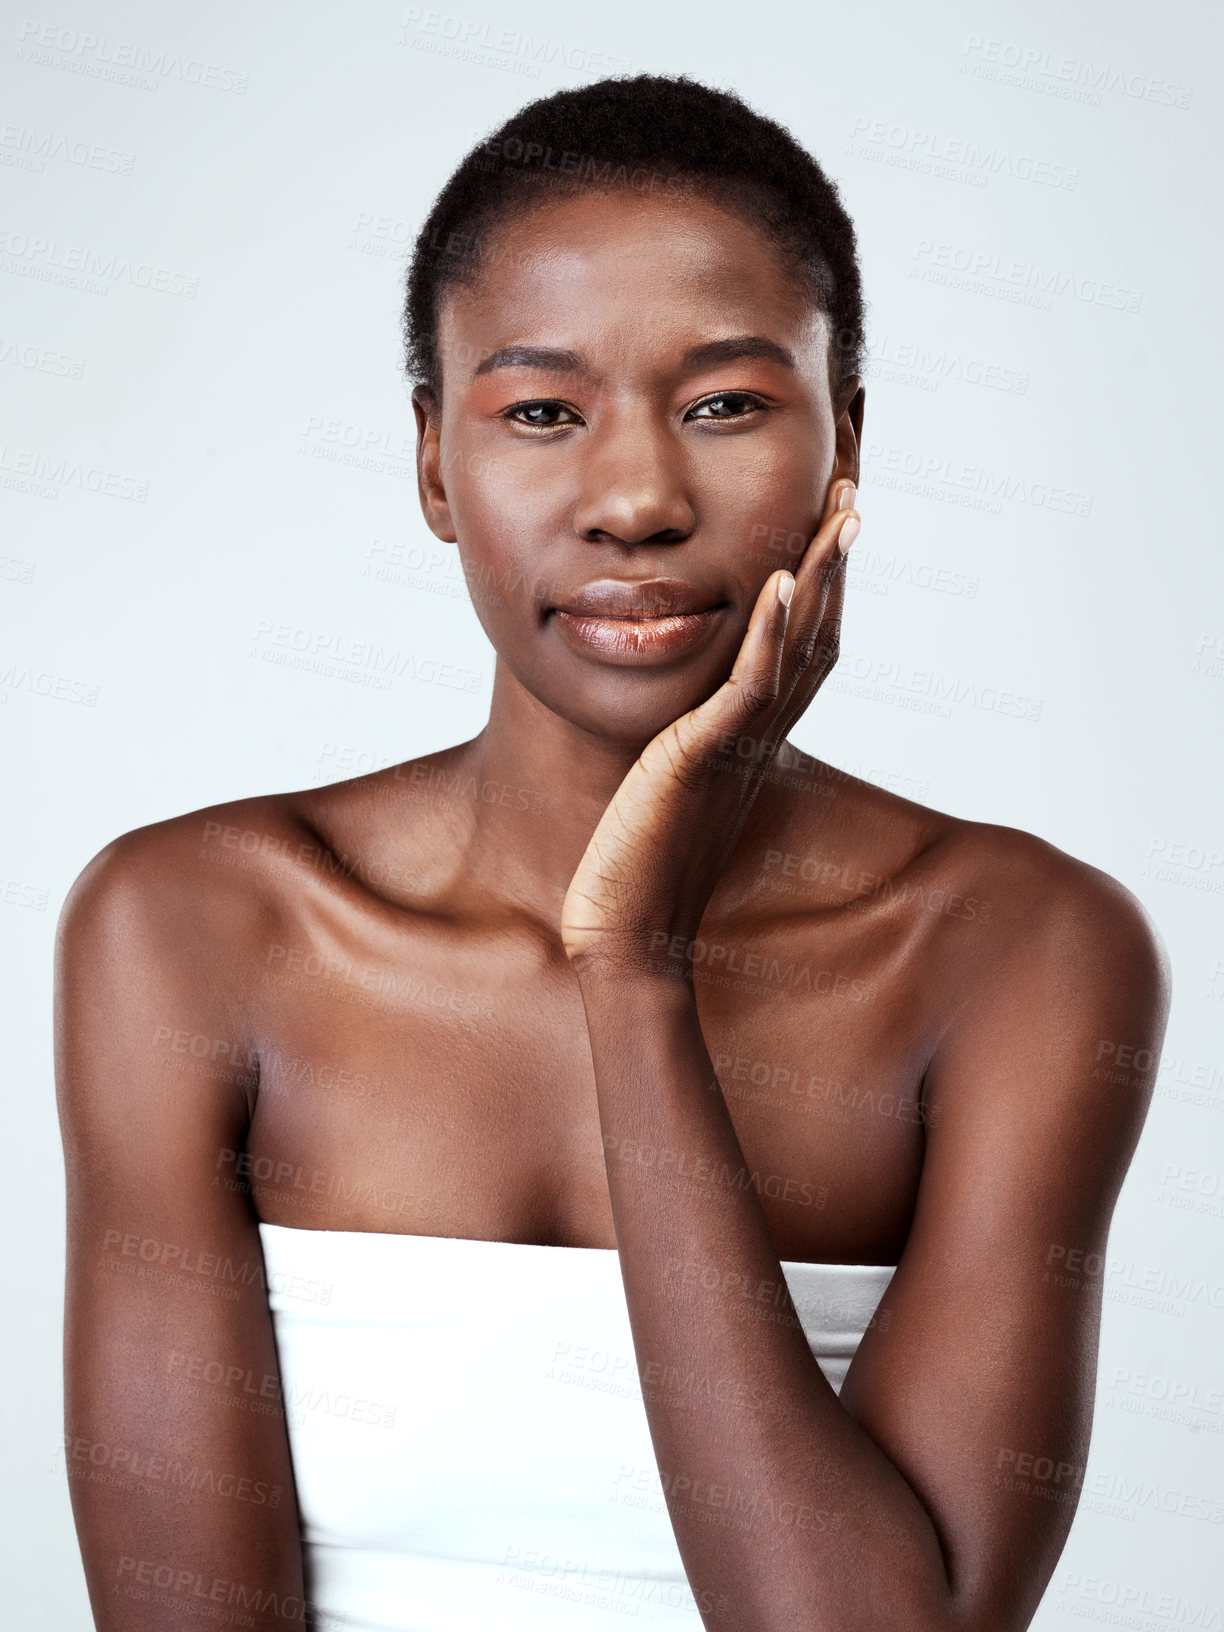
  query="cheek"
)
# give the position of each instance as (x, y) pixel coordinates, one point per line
(493, 486)
(499, 527)
(764, 506)
(509, 506)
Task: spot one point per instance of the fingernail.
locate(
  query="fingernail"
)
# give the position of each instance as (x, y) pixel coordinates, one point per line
(848, 534)
(848, 496)
(786, 588)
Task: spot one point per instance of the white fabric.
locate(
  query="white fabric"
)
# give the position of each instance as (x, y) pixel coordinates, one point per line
(470, 1446)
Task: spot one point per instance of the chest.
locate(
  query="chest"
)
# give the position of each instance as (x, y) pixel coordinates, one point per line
(430, 1087)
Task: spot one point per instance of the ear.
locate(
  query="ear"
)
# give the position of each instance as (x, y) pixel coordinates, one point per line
(849, 430)
(432, 490)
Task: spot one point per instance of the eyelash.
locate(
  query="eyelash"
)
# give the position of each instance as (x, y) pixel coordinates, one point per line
(756, 405)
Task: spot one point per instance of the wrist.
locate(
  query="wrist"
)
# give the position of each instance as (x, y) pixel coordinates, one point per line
(658, 958)
(634, 983)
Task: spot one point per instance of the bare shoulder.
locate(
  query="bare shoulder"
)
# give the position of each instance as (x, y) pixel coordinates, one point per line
(1065, 995)
(229, 872)
(164, 939)
(1024, 890)
(1054, 908)
(189, 872)
(976, 910)
(174, 919)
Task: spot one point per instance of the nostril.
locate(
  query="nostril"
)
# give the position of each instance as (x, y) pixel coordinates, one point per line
(667, 535)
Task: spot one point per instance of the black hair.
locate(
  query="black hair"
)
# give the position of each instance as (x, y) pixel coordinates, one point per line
(648, 133)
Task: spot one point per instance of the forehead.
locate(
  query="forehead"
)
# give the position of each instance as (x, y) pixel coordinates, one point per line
(623, 272)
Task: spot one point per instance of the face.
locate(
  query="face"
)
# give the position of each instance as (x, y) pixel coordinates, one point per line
(636, 419)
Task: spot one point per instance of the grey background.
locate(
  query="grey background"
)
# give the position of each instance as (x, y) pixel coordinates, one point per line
(207, 483)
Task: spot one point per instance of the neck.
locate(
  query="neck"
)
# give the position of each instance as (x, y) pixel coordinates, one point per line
(541, 786)
(534, 789)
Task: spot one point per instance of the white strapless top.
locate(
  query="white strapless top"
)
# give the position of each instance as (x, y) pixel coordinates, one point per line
(470, 1447)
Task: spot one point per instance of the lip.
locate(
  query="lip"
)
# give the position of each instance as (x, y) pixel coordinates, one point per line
(637, 598)
(637, 624)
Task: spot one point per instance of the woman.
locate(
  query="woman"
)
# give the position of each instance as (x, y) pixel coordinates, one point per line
(591, 1089)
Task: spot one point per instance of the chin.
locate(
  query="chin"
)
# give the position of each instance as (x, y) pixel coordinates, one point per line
(628, 708)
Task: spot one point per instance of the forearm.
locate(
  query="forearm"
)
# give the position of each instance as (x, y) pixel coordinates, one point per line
(170, 1531)
(151, 1574)
(824, 1531)
(175, 1443)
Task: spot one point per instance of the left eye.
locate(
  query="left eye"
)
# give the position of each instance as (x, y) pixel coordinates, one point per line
(542, 415)
(726, 405)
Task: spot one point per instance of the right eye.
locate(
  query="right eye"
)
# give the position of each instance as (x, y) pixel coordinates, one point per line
(542, 415)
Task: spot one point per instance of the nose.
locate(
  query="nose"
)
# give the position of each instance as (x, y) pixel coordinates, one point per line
(634, 485)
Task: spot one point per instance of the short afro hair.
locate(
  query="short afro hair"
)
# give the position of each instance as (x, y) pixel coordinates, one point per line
(648, 133)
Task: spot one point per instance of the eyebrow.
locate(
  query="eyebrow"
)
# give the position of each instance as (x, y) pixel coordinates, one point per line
(545, 357)
(739, 345)
(554, 361)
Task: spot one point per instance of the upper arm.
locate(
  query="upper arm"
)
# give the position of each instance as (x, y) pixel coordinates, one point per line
(175, 1478)
(979, 1382)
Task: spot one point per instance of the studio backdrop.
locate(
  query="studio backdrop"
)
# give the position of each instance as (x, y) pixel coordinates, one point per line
(217, 582)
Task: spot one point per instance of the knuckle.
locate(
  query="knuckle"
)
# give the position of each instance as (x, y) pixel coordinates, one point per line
(804, 651)
(756, 693)
(685, 762)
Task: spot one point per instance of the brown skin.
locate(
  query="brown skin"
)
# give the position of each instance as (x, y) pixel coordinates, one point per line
(493, 967)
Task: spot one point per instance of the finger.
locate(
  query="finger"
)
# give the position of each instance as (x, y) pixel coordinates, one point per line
(755, 678)
(756, 674)
(769, 663)
(841, 496)
(819, 568)
(828, 636)
(782, 639)
(839, 526)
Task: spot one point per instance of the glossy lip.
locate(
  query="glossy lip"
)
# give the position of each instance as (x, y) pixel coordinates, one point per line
(637, 598)
(642, 623)
(637, 642)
